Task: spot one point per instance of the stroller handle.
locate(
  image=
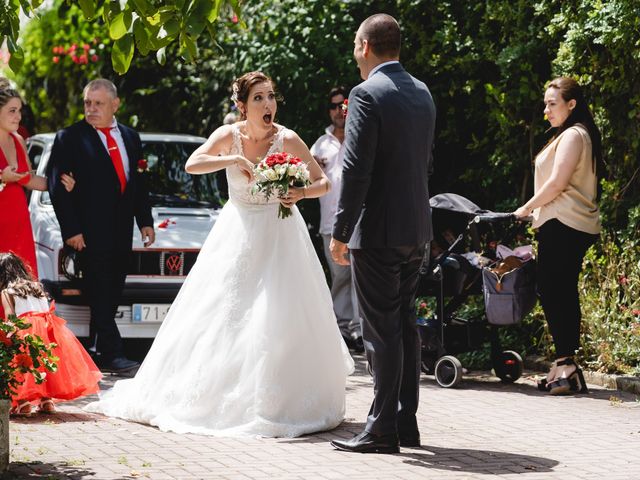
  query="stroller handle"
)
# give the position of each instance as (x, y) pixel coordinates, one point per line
(493, 217)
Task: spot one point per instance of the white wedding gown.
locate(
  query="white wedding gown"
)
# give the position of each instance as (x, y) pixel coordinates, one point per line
(250, 345)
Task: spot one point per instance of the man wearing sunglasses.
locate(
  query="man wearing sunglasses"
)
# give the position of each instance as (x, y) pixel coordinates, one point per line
(327, 151)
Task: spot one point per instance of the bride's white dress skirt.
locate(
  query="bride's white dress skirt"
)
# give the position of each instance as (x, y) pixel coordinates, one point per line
(250, 346)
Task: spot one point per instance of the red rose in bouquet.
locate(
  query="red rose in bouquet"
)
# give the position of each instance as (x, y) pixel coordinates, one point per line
(276, 173)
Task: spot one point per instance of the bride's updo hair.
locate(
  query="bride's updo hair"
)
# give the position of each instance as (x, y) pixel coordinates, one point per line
(243, 85)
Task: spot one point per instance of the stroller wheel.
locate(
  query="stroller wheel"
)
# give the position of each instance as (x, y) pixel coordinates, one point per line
(508, 367)
(448, 371)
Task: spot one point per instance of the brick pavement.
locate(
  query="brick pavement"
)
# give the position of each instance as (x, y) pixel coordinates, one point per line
(479, 430)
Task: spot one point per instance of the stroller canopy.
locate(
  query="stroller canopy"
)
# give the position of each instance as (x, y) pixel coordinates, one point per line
(453, 202)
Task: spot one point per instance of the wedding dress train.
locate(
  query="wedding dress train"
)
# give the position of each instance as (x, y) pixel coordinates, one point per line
(250, 345)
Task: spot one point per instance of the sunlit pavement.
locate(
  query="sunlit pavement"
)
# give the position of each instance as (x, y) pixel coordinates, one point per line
(481, 429)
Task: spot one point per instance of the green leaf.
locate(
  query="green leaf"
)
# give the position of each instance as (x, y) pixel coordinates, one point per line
(88, 7)
(188, 48)
(142, 36)
(215, 12)
(143, 7)
(198, 15)
(171, 27)
(122, 53)
(17, 55)
(117, 27)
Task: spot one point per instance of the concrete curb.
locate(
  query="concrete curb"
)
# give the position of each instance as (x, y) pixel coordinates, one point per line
(624, 383)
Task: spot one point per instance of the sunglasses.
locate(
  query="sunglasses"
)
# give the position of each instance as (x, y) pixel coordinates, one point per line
(333, 106)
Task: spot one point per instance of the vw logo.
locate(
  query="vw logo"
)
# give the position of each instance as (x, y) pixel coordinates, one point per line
(172, 263)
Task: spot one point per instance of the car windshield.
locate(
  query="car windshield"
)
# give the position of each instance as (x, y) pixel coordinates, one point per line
(169, 184)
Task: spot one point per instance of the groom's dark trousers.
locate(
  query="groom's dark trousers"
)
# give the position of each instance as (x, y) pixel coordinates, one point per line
(384, 216)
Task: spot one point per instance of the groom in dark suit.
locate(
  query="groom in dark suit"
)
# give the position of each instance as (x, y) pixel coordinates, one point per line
(96, 218)
(384, 217)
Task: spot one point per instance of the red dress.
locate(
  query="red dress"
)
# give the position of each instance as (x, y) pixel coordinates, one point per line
(15, 225)
(77, 375)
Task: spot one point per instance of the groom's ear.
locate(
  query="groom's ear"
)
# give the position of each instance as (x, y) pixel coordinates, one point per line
(366, 48)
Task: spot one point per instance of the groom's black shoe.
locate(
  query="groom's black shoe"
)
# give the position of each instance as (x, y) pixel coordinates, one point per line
(409, 439)
(358, 345)
(369, 443)
(119, 365)
(354, 343)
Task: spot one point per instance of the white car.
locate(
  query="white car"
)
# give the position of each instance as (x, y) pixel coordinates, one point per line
(185, 208)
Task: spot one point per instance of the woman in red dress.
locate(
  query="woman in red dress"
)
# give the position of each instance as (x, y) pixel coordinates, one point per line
(15, 176)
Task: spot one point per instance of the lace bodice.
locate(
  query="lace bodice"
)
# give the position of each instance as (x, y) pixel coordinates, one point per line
(239, 189)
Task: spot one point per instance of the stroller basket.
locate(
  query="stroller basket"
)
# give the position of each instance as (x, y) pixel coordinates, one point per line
(509, 295)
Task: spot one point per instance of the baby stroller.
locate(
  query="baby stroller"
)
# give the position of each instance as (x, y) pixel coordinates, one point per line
(452, 277)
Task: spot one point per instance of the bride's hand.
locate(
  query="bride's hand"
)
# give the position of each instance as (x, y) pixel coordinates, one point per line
(292, 197)
(246, 167)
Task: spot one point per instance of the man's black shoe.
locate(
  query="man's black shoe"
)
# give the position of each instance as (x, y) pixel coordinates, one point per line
(350, 342)
(369, 443)
(120, 365)
(409, 439)
(358, 345)
(354, 344)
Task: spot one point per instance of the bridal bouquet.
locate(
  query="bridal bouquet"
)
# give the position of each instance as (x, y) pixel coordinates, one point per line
(276, 173)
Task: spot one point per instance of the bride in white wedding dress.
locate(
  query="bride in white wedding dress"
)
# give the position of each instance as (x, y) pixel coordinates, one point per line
(250, 346)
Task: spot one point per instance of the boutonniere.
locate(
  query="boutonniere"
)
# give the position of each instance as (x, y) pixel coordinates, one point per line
(143, 166)
(345, 106)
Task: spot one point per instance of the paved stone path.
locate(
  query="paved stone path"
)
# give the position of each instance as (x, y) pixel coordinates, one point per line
(479, 430)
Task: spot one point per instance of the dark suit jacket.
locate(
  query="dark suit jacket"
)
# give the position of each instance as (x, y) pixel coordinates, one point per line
(95, 207)
(384, 201)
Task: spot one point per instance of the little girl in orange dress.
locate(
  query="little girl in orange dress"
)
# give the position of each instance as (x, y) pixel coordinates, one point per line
(76, 375)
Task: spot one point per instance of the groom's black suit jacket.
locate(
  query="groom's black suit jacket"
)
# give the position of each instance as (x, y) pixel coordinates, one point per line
(384, 200)
(95, 207)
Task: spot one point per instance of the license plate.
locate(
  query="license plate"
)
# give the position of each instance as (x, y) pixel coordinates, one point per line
(149, 312)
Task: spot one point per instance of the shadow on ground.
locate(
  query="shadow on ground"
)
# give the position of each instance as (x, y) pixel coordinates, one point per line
(40, 470)
(476, 461)
(438, 458)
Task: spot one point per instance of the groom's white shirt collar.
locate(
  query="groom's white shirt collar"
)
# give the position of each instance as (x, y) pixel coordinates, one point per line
(378, 67)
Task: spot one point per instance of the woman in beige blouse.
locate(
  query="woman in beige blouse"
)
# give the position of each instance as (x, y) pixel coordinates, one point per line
(566, 216)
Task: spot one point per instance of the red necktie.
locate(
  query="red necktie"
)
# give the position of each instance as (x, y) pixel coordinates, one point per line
(116, 158)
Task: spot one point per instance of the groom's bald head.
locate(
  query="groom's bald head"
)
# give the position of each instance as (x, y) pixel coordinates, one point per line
(382, 33)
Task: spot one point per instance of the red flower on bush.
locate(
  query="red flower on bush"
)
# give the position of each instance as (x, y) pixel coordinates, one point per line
(24, 360)
(56, 59)
(143, 166)
(623, 280)
(94, 58)
(4, 339)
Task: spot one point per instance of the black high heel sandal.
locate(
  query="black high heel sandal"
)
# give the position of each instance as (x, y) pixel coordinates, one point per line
(573, 383)
(543, 383)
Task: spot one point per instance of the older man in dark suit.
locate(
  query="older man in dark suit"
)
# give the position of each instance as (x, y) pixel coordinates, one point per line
(96, 218)
(384, 217)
